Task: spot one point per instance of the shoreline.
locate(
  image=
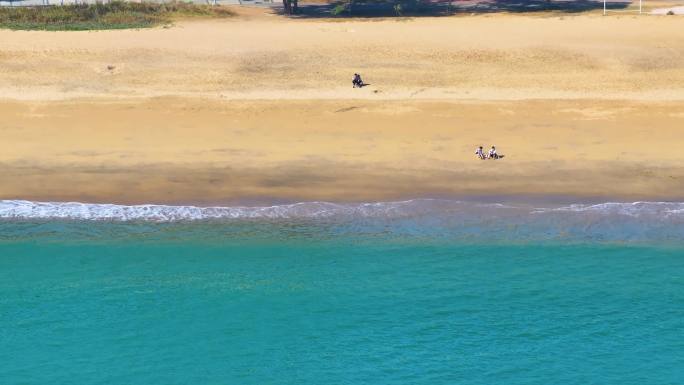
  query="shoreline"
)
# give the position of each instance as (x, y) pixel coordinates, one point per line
(413, 208)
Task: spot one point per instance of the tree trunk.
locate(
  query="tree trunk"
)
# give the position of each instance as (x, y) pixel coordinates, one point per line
(295, 6)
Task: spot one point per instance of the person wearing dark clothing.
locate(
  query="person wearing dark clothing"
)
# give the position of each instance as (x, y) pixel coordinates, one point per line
(357, 82)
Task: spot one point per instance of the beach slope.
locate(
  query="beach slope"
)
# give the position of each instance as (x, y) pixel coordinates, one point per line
(260, 108)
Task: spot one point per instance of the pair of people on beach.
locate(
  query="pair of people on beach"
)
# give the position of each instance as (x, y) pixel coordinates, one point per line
(492, 154)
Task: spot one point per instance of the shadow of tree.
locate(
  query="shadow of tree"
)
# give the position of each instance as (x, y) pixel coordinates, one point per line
(411, 8)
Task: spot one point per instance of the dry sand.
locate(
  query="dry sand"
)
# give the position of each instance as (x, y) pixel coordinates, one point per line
(260, 108)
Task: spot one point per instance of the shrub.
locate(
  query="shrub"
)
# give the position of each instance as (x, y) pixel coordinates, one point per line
(114, 15)
(339, 9)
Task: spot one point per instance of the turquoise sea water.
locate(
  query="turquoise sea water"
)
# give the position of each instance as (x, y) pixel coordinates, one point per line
(410, 299)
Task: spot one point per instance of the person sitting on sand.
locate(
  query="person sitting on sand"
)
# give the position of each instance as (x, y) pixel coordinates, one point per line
(480, 153)
(492, 153)
(357, 82)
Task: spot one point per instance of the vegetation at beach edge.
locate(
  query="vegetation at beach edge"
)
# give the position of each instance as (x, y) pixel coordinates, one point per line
(112, 15)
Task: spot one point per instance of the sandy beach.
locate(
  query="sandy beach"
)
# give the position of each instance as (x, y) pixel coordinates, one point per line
(259, 108)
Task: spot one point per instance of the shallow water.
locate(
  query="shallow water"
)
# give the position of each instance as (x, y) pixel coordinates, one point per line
(481, 296)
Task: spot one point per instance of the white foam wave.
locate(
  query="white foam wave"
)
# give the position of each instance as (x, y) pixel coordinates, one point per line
(22, 209)
(634, 209)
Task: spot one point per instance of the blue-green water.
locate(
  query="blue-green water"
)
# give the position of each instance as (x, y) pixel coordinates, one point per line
(355, 302)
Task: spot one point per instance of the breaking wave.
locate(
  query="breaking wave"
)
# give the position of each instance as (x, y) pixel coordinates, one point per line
(660, 222)
(22, 209)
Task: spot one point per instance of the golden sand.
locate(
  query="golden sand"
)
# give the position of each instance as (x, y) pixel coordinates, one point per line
(260, 108)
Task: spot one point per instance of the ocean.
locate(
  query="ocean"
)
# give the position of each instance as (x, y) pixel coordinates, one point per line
(414, 292)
